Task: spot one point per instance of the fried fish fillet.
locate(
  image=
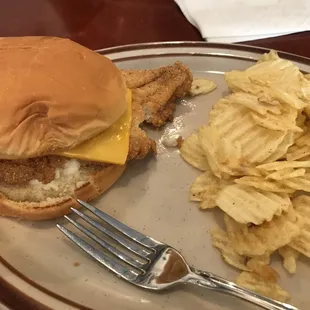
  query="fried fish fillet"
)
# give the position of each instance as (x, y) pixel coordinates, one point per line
(153, 93)
(156, 89)
(137, 78)
(139, 143)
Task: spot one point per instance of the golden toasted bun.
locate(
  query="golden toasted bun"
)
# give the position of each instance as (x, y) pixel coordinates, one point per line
(55, 94)
(98, 183)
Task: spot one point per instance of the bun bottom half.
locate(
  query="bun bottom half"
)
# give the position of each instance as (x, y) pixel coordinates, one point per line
(98, 183)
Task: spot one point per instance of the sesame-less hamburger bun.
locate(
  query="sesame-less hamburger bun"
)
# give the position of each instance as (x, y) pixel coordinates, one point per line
(57, 95)
(96, 183)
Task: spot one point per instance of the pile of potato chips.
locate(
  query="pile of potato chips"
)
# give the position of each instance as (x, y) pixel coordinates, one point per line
(255, 157)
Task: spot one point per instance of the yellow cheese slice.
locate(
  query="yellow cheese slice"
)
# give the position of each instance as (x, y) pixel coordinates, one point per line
(111, 146)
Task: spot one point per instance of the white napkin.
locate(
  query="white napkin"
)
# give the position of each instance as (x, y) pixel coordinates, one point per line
(242, 20)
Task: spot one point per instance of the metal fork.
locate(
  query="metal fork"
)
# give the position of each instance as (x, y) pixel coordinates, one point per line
(149, 263)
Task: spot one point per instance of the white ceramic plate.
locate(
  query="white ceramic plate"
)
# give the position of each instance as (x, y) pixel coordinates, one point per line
(39, 265)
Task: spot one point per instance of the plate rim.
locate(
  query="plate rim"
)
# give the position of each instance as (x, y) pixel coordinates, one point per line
(203, 44)
(115, 50)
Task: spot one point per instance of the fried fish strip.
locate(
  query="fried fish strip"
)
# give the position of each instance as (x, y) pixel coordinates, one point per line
(155, 90)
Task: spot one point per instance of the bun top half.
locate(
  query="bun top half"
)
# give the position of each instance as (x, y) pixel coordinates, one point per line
(54, 94)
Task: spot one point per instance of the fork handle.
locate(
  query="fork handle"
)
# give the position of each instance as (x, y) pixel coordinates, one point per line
(211, 281)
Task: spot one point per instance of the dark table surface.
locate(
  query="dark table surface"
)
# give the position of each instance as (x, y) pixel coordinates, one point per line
(104, 23)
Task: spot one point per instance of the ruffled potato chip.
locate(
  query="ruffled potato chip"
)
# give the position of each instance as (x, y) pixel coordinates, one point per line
(258, 240)
(192, 152)
(260, 285)
(303, 140)
(246, 204)
(272, 55)
(287, 173)
(211, 143)
(282, 149)
(278, 165)
(260, 259)
(301, 183)
(258, 266)
(264, 184)
(206, 188)
(221, 241)
(290, 257)
(284, 122)
(298, 153)
(300, 122)
(224, 156)
(235, 124)
(252, 102)
(302, 242)
(275, 81)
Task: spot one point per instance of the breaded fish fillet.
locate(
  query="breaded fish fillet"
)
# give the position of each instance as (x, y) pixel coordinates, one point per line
(156, 89)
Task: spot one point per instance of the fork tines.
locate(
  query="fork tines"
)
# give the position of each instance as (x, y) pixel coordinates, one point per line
(129, 239)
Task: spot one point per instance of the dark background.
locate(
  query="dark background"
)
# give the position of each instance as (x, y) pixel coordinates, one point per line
(104, 23)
